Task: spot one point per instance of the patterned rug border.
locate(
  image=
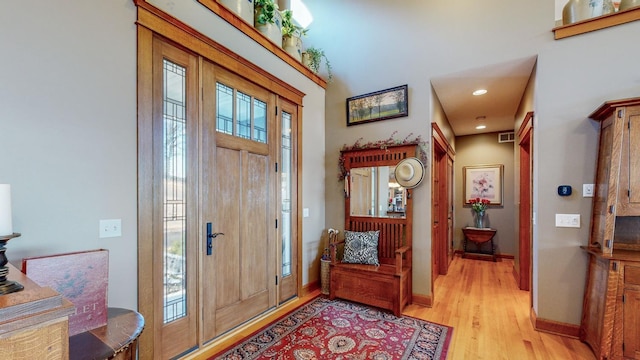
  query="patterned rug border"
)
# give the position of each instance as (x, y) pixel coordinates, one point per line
(320, 303)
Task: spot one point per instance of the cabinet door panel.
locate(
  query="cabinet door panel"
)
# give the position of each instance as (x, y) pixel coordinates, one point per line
(629, 190)
(634, 158)
(631, 323)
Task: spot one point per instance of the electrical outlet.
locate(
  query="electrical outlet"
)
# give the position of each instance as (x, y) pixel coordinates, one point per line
(110, 228)
(568, 220)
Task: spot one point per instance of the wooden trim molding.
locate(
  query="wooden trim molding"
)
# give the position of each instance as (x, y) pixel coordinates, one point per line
(309, 288)
(597, 23)
(248, 29)
(145, 190)
(438, 136)
(554, 327)
(608, 107)
(173, 29)
(525, 127)
(499, 256)
(422, 300)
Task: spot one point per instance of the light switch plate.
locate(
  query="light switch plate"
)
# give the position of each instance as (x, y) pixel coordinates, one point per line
(568, 220)
(305, 212)
(587, 190)
(110, 228)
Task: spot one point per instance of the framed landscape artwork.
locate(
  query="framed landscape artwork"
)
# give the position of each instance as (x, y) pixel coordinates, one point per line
(484, 182)
(380, 105)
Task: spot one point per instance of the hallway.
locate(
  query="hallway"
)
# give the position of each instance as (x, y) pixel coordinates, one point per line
(490, 315)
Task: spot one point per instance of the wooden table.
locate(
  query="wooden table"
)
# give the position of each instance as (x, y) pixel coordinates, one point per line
(479, 236)
(116, 340)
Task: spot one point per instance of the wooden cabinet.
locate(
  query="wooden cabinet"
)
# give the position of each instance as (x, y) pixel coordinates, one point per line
(611, 311)
(631, 312)
(617, 192)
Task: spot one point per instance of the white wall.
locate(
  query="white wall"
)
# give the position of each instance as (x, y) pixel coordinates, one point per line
(68, 130)
(574, 77)
(375, 44)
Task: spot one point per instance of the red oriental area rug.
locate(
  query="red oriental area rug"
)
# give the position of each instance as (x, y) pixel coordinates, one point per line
(325, 329)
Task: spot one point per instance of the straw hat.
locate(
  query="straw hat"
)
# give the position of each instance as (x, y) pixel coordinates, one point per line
(409, 172)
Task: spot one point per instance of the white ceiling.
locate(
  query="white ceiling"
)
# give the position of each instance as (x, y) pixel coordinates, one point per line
(505, 84)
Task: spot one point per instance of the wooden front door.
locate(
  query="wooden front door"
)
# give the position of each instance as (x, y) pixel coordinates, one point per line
(217, 199)
(238, 193)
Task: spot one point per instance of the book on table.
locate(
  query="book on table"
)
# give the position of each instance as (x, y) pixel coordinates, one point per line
(82, 278)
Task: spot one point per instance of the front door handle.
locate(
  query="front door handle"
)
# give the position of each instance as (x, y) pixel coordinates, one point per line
(210, 236)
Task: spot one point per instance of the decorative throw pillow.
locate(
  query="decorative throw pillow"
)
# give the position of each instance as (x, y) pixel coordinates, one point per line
(361, 247)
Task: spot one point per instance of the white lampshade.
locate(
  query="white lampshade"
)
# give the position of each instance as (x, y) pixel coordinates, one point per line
(5, 210)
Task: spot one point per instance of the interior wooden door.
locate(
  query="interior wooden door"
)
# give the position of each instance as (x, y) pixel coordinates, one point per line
(450, 182)
(436, 214)
(442, 204)
(525, 136)
(238, 197)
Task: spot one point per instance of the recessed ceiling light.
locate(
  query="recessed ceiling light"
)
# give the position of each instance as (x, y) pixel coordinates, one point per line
(480, 92)
(480, 127)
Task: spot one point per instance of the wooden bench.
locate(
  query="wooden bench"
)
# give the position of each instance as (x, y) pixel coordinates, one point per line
(387, 286)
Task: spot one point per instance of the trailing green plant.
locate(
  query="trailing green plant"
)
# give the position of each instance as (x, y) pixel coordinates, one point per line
(316, 56)
(265, 11)
(289, 28)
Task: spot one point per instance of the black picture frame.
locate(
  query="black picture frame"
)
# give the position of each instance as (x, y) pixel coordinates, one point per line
(379, 105)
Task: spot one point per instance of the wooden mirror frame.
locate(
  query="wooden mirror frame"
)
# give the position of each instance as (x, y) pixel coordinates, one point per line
(397, 227)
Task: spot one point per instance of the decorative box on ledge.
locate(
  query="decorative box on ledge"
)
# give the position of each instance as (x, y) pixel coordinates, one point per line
(33, 322)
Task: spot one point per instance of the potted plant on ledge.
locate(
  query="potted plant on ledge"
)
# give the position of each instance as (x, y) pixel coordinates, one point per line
(267, 20)
(292, 35)
(312, 58)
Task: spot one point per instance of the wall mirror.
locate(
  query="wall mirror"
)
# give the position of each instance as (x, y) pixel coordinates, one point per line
(375, 192)
(372, 194)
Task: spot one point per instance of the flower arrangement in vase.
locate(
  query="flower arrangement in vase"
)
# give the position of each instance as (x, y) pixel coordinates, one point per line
(479, 206)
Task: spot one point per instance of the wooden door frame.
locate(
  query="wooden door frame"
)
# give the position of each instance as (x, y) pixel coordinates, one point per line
(525, 150)
(152, 22)
(440, 183)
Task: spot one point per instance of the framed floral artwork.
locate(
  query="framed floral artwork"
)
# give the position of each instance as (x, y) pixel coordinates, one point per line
(484, 182)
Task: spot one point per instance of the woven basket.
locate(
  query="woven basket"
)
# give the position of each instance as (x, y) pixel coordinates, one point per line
(324, 276)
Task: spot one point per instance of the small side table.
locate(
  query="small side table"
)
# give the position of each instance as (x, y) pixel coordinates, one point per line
(479, 236)
(116, 340)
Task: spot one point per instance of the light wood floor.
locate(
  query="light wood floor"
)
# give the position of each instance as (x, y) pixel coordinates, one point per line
(490, 315)
(481, 301)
